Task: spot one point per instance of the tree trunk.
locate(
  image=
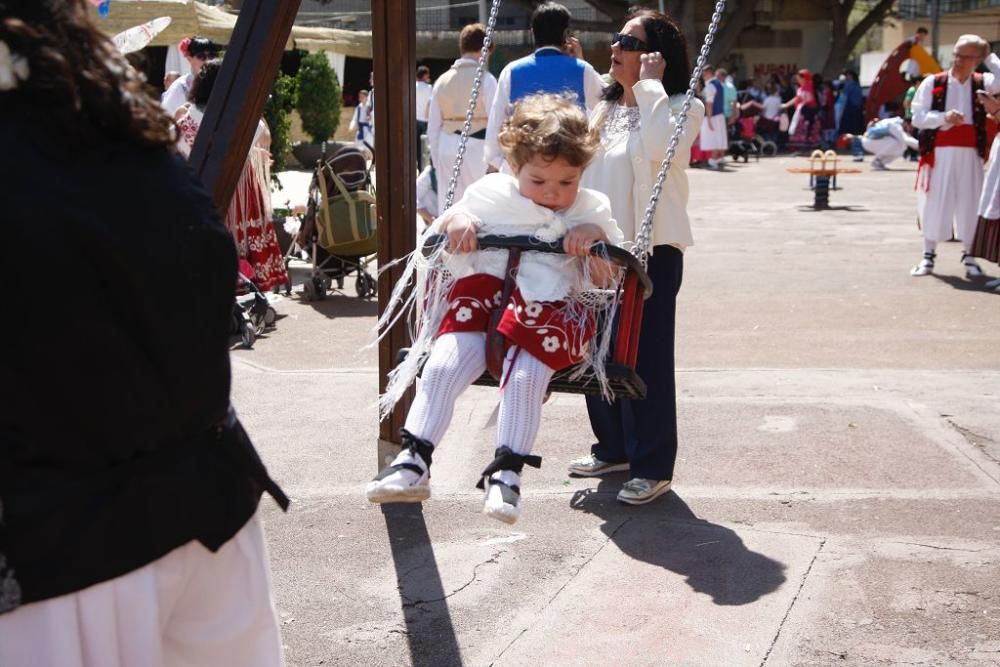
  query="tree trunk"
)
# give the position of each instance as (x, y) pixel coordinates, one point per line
(844, 41)
(729, 31)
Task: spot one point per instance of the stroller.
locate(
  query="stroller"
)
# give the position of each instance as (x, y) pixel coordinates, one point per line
(252, 311)
(338, 229)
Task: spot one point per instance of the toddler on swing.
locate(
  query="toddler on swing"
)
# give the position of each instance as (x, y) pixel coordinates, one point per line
(547, 143)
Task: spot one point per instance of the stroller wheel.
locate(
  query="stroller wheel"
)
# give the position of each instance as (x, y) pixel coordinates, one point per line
(310, 291)
(768, 149)
(247, 336)
(365, 285)
(270, 316)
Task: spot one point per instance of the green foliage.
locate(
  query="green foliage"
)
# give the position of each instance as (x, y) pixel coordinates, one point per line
(279, 104)
(319, 97)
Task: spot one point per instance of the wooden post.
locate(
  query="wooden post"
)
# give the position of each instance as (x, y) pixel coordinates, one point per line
(394, 29)
(238, 97)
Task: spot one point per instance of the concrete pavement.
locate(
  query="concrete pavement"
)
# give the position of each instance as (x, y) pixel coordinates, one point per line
(835, 500)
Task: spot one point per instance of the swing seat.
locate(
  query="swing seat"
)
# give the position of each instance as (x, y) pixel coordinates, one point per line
(636, 287)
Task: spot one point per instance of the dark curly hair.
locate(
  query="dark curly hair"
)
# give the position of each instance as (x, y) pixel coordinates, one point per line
(80, 88)
(663, 35)
(202, 85)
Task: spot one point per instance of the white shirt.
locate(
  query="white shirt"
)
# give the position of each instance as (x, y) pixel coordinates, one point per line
(435, 122)
(645, 148)
(177, 94)
(593, 86)
(424, 91)
(958, 97)
(771, 107)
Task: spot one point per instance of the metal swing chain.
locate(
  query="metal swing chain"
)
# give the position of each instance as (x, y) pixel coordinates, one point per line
(483, 55)
(642, 239)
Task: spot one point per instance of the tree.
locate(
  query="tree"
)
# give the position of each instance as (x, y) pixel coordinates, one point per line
(844, 38)
(319, 97)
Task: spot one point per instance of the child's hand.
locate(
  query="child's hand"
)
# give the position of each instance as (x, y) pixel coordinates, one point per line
(578, 240)
(461, 230)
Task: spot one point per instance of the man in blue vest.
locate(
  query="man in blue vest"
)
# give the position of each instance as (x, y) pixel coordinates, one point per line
(714, 138)
(550, 69)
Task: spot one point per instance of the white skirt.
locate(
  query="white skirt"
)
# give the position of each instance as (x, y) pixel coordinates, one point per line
(190, 608)
(715, 139)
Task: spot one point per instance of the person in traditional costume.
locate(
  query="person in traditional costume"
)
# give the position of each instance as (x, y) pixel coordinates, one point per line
(986, 243)
(197, 51)
(449, 104)
(249, 216)
(952, 124)
(550, 69)
(714, 136)
(804, 129)
(886, 139)
(640, 113)
(129, 492)
(546, 327)
(361, 125)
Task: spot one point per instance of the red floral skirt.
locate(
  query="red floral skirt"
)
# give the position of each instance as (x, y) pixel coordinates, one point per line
(544, 328)
(254, 234)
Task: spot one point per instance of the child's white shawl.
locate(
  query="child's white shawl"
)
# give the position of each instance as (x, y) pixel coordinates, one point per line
(495, 202)
(499, 208)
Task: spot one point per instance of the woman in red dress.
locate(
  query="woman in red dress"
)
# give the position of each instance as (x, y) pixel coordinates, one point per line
(249, 216)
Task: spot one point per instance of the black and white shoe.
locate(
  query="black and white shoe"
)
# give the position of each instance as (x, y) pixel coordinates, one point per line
(503, 496)
(501, 481)
(972, 268)
(408, 478)
(926, 265)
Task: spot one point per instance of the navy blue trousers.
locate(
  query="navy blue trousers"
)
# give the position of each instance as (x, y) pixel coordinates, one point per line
(644, 433)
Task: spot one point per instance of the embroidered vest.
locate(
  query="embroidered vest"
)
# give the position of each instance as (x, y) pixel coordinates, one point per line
(927, 138)
(453, 89)
(719, 101)
(547, 71)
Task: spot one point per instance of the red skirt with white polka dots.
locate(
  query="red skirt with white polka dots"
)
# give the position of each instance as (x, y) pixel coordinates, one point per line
(543, 328)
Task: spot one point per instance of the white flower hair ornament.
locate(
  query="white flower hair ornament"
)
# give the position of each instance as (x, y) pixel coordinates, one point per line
(13, 68)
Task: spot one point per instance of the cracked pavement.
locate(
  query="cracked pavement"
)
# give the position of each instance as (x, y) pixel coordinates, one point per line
(835, 500)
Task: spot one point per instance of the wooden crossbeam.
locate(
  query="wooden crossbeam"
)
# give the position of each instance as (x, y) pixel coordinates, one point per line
(394, 24)
(238, 97)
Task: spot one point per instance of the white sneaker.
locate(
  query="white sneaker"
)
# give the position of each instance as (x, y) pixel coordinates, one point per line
(878, 165)
(503, 496)
(406, 480)
(591, 466)
(925, 267)
(640, 491)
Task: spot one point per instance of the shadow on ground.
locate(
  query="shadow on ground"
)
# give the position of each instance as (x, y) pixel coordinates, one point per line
(712, 559)
(430, 632)
(966, 285)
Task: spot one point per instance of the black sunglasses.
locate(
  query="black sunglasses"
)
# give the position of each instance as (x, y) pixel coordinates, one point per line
(628, 42)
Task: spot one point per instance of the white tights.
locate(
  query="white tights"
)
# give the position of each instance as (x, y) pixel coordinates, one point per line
(455, 362)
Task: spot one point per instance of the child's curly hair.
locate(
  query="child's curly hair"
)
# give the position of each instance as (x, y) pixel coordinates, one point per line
(549, 126)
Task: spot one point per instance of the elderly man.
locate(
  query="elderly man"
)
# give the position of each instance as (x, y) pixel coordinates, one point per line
(556, 66)
(952, 124)
(449, 104)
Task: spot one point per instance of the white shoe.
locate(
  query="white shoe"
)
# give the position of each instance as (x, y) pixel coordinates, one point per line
(878, 165)
(640, 491)
(406, 480)
(503, 496)
(972, 268)
(925, 267)
(591, 466)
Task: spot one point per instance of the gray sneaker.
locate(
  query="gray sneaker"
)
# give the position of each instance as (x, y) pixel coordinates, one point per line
(640, 491)
(591, 466)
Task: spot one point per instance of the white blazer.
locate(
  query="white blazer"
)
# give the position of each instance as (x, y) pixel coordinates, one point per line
(647, 148)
